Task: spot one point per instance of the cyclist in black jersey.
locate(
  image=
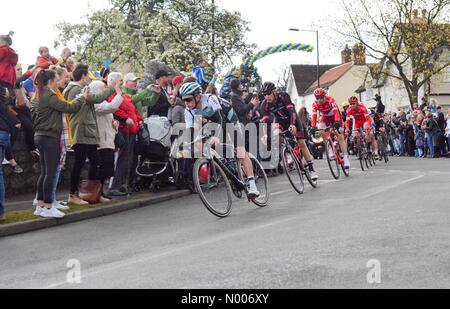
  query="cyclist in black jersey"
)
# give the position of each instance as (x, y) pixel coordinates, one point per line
(279, 110)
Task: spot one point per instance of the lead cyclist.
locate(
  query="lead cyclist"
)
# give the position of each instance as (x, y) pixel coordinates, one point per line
(208, 109)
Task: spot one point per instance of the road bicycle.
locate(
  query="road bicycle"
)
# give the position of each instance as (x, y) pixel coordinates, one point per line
(335, 155)
(362, 150)
(294, 163)
(217, 179)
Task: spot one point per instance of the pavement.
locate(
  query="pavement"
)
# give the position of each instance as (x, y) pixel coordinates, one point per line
(395, 215)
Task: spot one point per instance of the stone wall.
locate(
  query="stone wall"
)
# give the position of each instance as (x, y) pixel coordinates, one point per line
(25, 183)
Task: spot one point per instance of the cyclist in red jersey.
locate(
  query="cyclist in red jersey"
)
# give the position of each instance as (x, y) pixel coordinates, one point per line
(361, 120)
(327, 109)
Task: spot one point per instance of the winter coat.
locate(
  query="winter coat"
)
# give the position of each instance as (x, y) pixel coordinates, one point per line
(47, 113)
(83, 124)
(143, 99)
(178, 112)
(8, 62)
(239, 106)
(105, 117)
(126, 111)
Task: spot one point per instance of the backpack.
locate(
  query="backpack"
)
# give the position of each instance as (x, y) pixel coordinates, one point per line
(420, 139)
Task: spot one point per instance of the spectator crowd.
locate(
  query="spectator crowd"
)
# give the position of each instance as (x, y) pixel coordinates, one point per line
(61, 107)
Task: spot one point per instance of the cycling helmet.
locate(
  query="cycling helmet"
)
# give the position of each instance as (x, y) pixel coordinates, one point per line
(190, 89)
(268, 88)
(320, 93)
(353, 100)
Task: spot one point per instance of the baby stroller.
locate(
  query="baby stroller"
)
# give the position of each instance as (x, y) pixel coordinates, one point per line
(154, 169)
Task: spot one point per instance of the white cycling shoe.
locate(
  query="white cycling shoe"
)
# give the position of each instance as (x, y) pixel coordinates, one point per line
(253, 193)
(314, 176)
(346, 163)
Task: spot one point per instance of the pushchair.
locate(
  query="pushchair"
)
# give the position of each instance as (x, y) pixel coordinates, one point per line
(154, 168)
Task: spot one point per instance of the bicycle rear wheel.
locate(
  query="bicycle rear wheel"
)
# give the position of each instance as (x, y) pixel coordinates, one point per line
(332, 162)
(213, 187)
(293, 170)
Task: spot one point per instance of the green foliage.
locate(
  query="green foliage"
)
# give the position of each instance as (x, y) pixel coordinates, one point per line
(178, 33)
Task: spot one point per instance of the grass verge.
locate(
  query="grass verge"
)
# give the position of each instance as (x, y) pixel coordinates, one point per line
(27, 215)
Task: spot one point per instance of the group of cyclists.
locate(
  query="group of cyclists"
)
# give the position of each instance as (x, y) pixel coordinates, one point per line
(279, 112)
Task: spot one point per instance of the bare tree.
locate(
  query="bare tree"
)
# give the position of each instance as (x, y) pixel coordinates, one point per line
(407, 37)
(283, 73)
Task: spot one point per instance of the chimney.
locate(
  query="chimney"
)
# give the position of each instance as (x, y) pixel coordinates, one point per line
(359, 54)
(346, 55)
(424, 14)
(415, 17)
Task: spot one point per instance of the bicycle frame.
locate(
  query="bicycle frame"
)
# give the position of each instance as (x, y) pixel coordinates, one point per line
(211, 154)
(288, 142)
(331, 137)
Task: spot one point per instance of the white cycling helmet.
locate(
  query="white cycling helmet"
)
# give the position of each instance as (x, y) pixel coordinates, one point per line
(190, 89)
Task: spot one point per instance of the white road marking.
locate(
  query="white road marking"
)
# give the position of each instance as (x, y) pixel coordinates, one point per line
(390, 187)
(214, 239)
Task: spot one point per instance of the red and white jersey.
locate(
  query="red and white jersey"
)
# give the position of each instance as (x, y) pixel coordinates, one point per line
(360, 116)
(328, 109)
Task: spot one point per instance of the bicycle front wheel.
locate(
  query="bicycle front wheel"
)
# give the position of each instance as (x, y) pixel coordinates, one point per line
(213, 187)
(360, 153)
(293, 170)
(333, 162)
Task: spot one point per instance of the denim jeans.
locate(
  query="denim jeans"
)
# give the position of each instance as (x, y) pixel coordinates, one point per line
(430, 146)
(402, 144)
(4, 142)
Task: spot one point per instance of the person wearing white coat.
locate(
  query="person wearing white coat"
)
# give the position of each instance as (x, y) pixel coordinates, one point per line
(107, 128)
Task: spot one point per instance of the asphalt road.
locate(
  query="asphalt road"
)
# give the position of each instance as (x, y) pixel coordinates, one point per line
(397, 214)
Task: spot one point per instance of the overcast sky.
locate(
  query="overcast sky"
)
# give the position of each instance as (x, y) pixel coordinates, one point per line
(33, 23)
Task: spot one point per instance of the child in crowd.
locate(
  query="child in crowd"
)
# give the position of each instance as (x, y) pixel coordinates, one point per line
(8, 62)
(45, 60)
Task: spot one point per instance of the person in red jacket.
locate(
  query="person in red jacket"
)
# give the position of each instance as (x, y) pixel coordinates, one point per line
(131, 123)
(8, 62)
(327, 109)
(44, 61)
(361, 120)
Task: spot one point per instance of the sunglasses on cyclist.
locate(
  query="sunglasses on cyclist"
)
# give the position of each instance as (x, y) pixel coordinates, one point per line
(320, 98)
(353, 104)
(188, 100)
